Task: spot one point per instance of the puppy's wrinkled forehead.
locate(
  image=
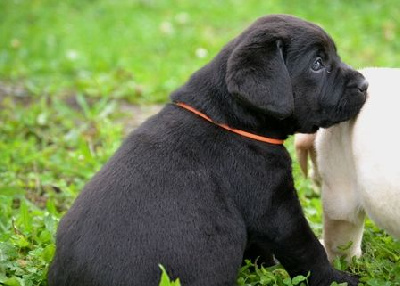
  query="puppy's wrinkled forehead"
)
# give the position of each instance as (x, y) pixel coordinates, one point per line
(299, 33)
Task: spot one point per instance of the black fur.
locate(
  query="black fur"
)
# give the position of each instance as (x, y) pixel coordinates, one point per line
(189, 195)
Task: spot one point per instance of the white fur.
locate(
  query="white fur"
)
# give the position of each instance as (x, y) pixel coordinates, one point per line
(359, 165)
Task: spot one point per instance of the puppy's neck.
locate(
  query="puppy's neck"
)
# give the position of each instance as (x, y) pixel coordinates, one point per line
(243, 133)
(206, 91)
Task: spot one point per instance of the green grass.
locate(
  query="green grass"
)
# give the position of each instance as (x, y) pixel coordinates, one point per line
(66, 69)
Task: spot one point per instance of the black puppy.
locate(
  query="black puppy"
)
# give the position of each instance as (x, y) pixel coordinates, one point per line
(193, 195)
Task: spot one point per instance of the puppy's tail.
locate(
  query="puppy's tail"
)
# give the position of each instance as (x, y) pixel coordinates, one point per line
(305, 147)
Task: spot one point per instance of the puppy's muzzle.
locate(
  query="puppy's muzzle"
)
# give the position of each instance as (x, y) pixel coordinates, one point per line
(363, 85)
(360, 85)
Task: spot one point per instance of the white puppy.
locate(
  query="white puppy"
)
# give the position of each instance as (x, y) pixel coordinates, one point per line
(358, 165)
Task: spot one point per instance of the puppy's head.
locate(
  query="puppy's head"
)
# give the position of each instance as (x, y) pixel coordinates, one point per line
(286, 67)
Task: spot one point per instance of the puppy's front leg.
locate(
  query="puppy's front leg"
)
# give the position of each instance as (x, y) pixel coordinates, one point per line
(343, 218)
(287, 232)
(339, 233)
(259, 252)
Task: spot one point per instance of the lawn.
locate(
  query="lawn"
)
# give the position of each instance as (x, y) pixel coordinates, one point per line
(73, 72)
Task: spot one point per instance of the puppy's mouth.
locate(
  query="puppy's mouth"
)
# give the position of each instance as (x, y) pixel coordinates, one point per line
(354, 97)
(357, 100)
(348, 108)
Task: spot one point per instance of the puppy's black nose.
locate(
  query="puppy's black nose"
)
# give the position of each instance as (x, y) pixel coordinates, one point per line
(363, 85)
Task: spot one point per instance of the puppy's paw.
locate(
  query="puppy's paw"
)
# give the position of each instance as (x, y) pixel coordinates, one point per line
(326, 278)
(341, 277)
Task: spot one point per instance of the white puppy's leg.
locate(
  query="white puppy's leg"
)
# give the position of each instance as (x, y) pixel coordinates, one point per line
(343, 212)
(343, 225)
(342, 238)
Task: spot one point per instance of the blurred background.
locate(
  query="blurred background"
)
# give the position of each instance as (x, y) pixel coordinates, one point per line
(77, 75)
(141, 50)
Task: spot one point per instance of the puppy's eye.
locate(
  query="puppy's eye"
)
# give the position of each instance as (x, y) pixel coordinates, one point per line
(318, 64)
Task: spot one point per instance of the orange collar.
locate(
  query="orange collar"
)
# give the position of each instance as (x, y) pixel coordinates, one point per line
(226, 127)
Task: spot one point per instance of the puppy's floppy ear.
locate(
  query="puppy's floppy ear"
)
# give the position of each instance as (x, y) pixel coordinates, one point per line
(256, 73)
